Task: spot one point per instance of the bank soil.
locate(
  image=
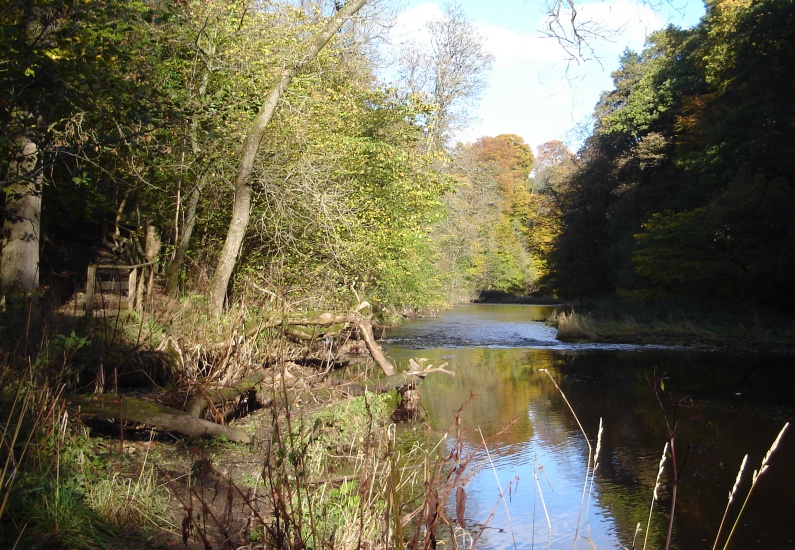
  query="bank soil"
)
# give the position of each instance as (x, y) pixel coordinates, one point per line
(222, 455)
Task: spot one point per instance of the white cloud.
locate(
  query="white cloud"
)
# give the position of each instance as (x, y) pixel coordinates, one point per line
(511, 48)
(411, 23)
(534, 92)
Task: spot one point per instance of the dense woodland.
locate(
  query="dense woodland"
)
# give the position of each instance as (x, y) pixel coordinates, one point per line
(290, 171)
(273, 158)
(686, 186)
(124, 115)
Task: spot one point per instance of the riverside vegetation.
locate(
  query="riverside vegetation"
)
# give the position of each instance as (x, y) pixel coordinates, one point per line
(285, 195)
(318, 464)
(694, 325)
(323, 464)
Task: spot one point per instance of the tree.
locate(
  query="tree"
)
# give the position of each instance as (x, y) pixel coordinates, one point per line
(73, 105)
(510, 158)
(738, 146)
(685, 187)
(344, 195)
(241, 207)
(450, 70)
(483, 235)
(19, 265)
(220, 52)
(553, 163)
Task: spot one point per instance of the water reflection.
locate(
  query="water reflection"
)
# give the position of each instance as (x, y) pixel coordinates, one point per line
(733, 404)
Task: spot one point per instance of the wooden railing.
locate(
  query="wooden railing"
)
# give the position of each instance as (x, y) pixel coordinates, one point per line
(138, 281)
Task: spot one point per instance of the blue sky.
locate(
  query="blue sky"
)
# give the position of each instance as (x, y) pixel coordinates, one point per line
(533, 91)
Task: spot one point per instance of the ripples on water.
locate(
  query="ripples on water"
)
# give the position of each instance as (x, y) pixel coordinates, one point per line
(739, 404)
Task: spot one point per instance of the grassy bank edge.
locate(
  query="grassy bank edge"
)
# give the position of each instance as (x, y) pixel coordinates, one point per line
(697, 326)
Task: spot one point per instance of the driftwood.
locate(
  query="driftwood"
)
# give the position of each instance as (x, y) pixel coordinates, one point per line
(197, 405)
(146, 412)
(365, 330)
(394, 382)
(416, 368)
(363, 326)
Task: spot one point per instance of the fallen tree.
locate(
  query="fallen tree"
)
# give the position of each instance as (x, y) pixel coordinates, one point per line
(130, 409)
(198, 404)
(189, 422)
(362, 324)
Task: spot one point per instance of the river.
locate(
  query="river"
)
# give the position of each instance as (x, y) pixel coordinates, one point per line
(721, 406)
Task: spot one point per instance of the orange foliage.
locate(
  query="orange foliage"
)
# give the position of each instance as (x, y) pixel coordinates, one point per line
(509, 156)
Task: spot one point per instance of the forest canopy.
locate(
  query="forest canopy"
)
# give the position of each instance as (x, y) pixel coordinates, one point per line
(263, 145)
(686, 185)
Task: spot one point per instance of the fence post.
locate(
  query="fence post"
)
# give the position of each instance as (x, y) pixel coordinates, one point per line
(91, 281)
(132, 294)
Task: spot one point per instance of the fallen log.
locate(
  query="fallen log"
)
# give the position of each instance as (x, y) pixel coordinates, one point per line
(123, 408)
(365, 330)
(363, 326)
(392, 380)
(198, 404)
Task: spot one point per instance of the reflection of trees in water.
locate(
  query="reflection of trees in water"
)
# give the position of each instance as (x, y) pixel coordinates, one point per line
(499, 377)
(614, 385)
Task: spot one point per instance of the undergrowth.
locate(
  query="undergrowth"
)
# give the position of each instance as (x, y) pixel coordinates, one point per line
(322, 475)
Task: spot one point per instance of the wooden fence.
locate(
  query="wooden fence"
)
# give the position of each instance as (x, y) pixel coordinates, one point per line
(130, 282)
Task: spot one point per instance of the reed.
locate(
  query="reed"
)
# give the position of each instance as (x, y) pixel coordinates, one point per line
(754, 479)
(731, 498)
(540, 468)
(574, 326)
(499, 486)
(654, 498)
(591, 456)
(596, 463)
(590, 472)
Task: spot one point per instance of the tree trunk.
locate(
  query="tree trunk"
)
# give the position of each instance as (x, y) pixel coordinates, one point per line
(181, 252)
(19, 263)
(172, 278)
(130, 409)
(241, 208)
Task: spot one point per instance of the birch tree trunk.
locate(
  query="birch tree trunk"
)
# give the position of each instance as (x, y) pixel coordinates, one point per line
(181, 252)
(19, 260)
(241, 207)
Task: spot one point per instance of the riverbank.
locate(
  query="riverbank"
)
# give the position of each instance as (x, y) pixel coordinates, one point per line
(697, 326)
(104, 453)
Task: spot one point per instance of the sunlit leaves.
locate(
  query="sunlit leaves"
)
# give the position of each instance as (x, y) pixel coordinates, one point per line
(689, 174)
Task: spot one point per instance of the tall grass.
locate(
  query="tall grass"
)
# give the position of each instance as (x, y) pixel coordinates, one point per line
(666, 456)
(754, 478)
(677, 322)
(54, 492)
(574, 326)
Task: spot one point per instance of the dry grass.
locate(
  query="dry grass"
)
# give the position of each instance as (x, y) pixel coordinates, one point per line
(575, 326)
(666, 456)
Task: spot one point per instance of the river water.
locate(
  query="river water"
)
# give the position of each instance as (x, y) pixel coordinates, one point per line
(720, 405)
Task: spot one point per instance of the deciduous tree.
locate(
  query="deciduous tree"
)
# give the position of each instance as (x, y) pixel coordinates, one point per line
(449, 66)
(241, 207)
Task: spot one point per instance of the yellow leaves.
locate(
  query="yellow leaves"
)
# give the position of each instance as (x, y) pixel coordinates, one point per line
(55, 54)
(730, 8)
